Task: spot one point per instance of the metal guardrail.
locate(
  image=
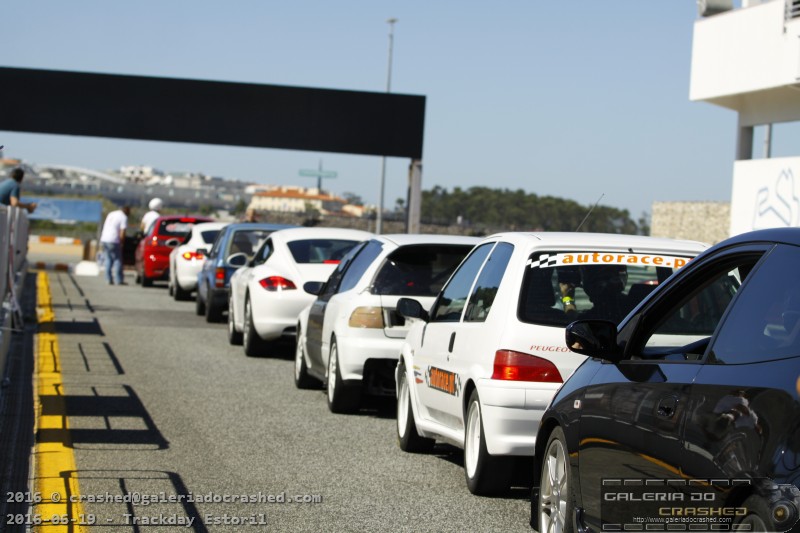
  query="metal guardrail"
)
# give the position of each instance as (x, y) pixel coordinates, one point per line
(13, 267)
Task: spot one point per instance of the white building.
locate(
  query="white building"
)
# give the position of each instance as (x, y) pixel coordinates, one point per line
(747, 59)
(140, 174)
(293, 199)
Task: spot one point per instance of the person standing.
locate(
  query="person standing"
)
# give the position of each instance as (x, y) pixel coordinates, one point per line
(112, 238)
(9, 191)
(148, 218)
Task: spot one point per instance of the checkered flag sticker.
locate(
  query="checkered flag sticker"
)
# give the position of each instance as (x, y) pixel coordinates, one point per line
(544, 261)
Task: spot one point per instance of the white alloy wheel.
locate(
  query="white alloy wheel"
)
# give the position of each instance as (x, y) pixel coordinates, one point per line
(333, 366)
(472, 439)
(403, 407)
(554, 489)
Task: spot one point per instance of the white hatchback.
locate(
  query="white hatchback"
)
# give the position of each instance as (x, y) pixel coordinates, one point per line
(267, 295)
(350, 337)
(186, 260)
(479, 369)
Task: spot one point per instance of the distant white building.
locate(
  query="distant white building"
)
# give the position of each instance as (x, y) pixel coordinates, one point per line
(747, 60)
(141, 174)
(291, 199)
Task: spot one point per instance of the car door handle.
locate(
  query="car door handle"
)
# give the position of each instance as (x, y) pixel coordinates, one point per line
(452, 342)
(667, 406)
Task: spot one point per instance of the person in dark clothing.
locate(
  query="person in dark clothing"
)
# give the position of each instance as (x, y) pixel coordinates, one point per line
(9, 191)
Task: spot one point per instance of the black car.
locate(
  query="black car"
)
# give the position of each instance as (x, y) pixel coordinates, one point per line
(686, 415)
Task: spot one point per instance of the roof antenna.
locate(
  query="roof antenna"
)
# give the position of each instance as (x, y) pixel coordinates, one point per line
(590, 212)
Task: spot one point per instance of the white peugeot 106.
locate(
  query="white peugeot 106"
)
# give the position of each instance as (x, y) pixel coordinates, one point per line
(478, 370)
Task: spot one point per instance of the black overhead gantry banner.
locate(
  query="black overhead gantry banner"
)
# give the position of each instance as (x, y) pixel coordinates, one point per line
(211, 112)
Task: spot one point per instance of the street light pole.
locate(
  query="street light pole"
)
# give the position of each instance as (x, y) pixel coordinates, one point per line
(379, 219)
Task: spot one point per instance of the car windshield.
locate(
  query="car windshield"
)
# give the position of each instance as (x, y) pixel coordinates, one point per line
(315, 251)
(418, 270)
(602, 285)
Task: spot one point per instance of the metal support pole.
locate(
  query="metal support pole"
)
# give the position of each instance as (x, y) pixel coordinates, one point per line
(379, 218)
(414, 201)
(768, 142)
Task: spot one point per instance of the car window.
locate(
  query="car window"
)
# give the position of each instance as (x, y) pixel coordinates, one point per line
(764, 322)
(246, 241)
(688, 320)
(214, 252)
(332, 284)
(482, 297)
(418, 270)
(451, 301)
(359, 265)
(603, 285)
(316, 251)
(208, 236)
(263, 253)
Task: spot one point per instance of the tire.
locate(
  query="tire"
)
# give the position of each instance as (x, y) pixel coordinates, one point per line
(254, 346)
(213, 311)
(486, 475)
(757, 517)
(146, 282)
(302, 379)
(234, 337)
(179, 294)
(199, 305)
(556, 504)
(407, 436)
(343, 398)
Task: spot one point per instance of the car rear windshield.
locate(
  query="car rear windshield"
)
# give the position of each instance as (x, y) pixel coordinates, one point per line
(311, 251)
(558, 288)
(418, 270)
(209, 236)
(175, 228)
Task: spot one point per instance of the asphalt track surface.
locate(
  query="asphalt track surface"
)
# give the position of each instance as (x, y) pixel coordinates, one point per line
(160, 405)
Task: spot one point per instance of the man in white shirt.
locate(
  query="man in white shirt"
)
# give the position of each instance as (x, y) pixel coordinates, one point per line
(112, 237)
(155, 206)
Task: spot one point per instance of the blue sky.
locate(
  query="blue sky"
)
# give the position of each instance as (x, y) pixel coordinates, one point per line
(570, 99)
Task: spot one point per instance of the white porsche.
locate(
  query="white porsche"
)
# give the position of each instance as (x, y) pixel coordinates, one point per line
(186, 260)
(267, 295)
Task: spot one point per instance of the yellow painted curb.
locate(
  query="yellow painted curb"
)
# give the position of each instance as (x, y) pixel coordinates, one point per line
(55, 474)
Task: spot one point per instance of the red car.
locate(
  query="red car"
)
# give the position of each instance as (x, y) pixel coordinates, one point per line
(152, 253)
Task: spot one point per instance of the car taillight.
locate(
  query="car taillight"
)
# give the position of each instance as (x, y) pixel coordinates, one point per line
(191, 255)
(517, 366)
(277, 283)
(366, 317)
(219, 278)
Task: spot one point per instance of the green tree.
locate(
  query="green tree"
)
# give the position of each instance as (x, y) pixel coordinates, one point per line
(239, 208)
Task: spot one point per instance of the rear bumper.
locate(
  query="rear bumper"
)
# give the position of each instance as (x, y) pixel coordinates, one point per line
(511, 413)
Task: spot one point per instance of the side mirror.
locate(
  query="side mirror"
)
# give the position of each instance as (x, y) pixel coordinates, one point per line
(313, 287)
(595, 338)
(237, 260)
(410, 308)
